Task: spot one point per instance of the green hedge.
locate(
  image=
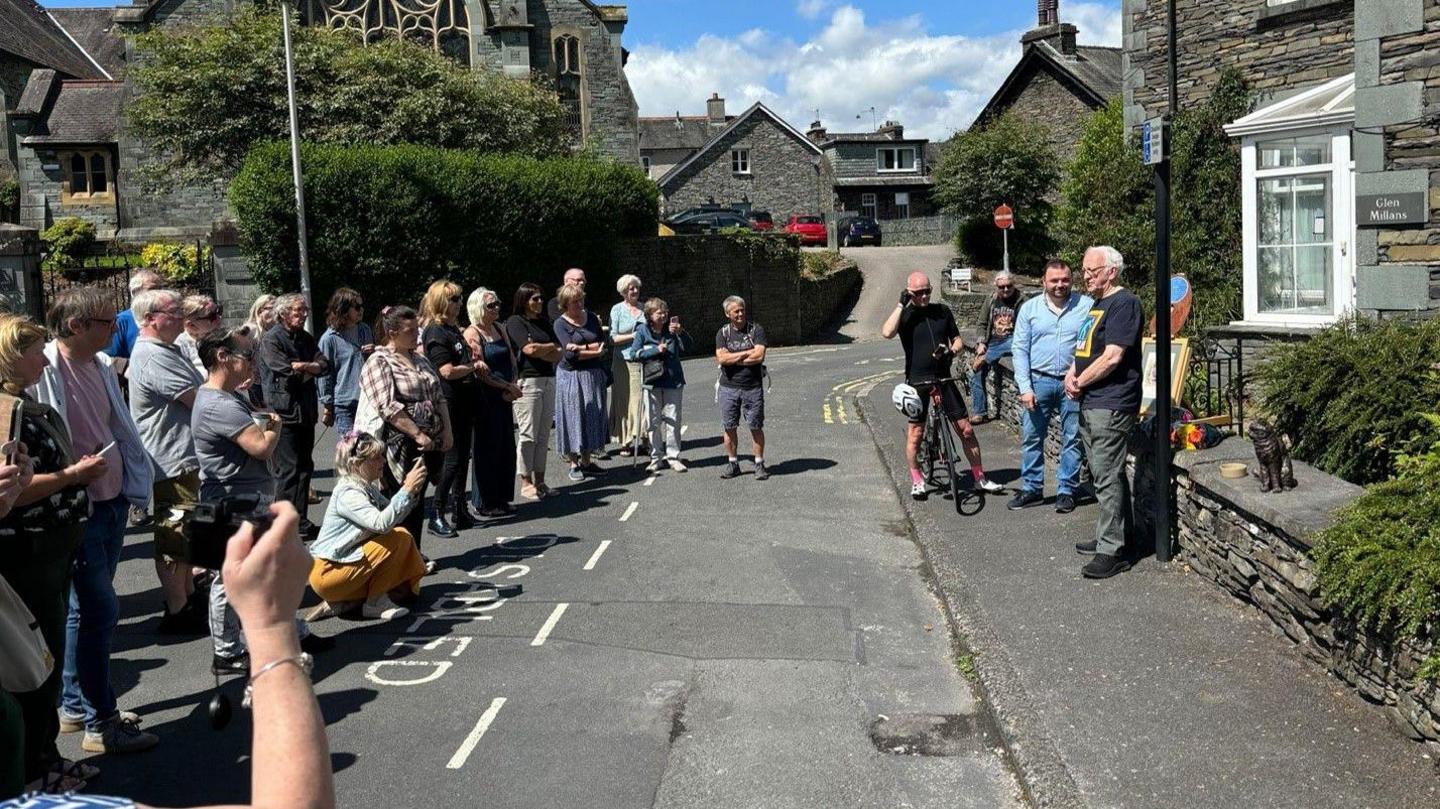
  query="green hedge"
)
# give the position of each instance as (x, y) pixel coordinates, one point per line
(1352, 397)
(389, 220)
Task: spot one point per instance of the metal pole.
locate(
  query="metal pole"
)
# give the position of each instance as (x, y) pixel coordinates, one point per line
(295, 167)
(1005, 232)
(1162, 322)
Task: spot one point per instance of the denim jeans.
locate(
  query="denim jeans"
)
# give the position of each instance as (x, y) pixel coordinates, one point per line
(1050, 401)
(979, 405)
(345, 418)
(94, 612)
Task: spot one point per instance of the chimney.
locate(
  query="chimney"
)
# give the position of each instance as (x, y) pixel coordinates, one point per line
(816, 133)
(715, 110)
(1058, 35)
(892, 130)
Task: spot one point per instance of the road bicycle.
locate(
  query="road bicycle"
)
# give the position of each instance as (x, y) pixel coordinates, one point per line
(939, 445)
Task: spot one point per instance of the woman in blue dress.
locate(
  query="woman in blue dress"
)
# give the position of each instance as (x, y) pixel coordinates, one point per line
(494, 455)
(581, 425)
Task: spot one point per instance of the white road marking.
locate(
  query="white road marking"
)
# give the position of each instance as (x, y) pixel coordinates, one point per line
(549, 624)
(684, 428)
(650, 481)
(595, 557)
(629, 510)
(468, 746)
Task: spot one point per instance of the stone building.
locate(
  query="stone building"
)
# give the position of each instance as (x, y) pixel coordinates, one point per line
(62, 84)
(1057, 82)
(1340, 172)
(880, 174)
(755, 159)
(665, 142)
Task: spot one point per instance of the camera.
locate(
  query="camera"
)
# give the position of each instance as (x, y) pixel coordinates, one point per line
(212, 524)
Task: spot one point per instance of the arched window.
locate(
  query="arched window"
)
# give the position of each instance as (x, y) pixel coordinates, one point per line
(98, 181)
(569, 80)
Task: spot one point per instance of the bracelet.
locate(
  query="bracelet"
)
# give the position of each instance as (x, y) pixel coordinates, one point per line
(302, 661)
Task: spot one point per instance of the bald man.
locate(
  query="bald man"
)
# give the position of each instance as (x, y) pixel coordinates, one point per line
(574, 277)
(931, 340)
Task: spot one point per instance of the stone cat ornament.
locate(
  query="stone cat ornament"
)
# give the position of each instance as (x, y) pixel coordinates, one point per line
(1274, 472)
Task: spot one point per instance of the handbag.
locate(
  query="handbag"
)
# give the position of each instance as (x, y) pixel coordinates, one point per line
(25, 661)
(652, 370)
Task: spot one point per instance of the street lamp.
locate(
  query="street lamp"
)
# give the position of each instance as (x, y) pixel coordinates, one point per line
(295, 169)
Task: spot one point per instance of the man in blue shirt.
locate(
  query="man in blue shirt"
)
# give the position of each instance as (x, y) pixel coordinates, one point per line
(127, 331)
(1043, 350)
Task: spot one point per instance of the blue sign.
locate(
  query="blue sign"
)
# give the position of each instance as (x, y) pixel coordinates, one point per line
(1152, 141)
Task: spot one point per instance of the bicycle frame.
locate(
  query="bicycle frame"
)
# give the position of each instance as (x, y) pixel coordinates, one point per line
(939, 443)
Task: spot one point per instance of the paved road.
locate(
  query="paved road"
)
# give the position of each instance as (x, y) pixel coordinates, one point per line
(680, 641)
(885, 269)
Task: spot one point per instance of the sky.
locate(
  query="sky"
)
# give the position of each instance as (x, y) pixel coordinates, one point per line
(928, 64)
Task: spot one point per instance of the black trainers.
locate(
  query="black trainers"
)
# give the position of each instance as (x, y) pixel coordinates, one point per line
(732, 469)
(316, 644)
(239, 664)
(1103, 566)
(761, 473)
(1064, 504)
(1025, 499)
(1085, 547)
(437, 526)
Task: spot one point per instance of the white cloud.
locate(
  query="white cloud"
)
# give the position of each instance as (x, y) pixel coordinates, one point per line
(934, 84)
(810, 9)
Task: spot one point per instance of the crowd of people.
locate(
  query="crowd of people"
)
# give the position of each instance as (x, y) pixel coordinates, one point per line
(140, 415)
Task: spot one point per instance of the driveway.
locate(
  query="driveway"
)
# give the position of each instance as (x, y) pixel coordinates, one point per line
(884, 269)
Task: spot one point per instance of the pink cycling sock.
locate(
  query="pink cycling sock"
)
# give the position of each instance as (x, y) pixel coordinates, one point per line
(916, 477)
(978, 471)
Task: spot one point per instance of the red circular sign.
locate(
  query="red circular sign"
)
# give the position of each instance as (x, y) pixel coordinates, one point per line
(1004, 217)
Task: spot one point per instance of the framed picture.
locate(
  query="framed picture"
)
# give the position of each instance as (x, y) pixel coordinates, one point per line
(1179, 367)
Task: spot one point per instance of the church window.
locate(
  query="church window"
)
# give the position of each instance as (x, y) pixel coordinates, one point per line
(87, 176)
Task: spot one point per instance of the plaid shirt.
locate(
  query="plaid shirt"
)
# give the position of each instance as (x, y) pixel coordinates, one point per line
(395, 387)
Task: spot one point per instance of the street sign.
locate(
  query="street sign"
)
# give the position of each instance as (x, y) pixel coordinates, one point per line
(1152, 141)
(1385, 210)
(1004, 217)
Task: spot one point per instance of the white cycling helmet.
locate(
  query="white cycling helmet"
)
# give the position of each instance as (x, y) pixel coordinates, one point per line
(907, 400)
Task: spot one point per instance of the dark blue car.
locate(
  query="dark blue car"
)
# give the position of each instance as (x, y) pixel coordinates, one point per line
(857, 230)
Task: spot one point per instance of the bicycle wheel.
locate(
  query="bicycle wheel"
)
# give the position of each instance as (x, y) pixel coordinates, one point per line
(947, 448)
(925, 455)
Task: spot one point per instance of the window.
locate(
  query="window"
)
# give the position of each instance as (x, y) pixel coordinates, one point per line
(902, 204)
(645, 164)
(895, 159)
(567, 55)
(569, 81)
(740, 161)
(87, 176)
(867, 205)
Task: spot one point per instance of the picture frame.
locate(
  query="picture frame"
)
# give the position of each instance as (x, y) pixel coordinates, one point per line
(1179, 368)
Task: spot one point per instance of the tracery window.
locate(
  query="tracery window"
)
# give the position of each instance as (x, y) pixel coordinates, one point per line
(442, 25)
(569, 80)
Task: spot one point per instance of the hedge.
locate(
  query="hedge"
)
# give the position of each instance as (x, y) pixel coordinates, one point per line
(389, 220)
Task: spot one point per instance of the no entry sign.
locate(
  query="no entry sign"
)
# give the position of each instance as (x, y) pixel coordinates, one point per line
(1004, 217)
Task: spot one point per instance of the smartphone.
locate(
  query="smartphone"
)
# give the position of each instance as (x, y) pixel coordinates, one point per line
(9, 449)
(674, 321)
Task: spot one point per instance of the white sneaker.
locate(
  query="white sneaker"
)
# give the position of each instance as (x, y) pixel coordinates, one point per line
(655, 466)
(384, 609)
(678, 465)
(988, 485)
(918, 491)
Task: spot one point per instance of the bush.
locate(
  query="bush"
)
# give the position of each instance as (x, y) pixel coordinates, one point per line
(817, 265)
(388, 220)
(1006, 161)
(1379, 563)
(1108, 198)
(67, 242)
(10, 200)
(176, 262)
(1349, 397)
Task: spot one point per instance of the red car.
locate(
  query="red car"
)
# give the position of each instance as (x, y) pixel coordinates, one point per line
(810, 229)
(761, 220)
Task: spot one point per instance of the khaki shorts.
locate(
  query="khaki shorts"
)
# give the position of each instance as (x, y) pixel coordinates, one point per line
(175, 498)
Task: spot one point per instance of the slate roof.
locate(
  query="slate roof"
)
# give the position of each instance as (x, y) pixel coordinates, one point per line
(865, 137)
(884, 182)
(95, 30)
(30, 33)
(1093, 74)
(83, 112)
(687, 132)
(758, 108)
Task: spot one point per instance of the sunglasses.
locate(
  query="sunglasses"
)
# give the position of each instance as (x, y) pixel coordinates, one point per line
(241, 353)
(537, 297)
(925, 291)
(493, 305)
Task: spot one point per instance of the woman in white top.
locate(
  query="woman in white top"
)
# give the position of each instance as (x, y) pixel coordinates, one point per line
(363, 556)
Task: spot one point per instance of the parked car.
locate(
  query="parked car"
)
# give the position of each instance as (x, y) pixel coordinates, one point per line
(762, 220)
(810, 229)
(691, 213)
(711, 222)
(854, 230)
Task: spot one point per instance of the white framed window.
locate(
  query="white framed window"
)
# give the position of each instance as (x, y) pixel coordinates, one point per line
(645, 164)
(740, 161)
(895, 158)
(902, 204)
(867, 205)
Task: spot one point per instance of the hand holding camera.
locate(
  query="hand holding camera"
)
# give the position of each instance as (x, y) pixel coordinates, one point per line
(414, 482)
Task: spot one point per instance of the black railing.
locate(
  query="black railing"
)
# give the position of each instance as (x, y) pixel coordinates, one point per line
(109, 267)
(1217, 384)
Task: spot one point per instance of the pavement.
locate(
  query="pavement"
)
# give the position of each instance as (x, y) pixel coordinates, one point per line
(885, 269)
(674, 640)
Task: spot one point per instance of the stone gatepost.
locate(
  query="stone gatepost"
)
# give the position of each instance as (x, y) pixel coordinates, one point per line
(20, 270)
(235, 287)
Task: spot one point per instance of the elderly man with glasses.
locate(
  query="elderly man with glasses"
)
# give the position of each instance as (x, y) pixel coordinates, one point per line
(997, 326)
(1105, 379)
(931, 339)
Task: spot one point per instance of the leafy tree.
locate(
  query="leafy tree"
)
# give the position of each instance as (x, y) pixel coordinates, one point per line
(1006, 161)
(208, 93)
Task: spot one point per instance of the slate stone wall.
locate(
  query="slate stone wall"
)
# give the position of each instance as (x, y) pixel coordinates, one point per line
(40, 201)
(1256, 547)
(14, 72)
(785, 176)
(917, 230)
(1055, 107)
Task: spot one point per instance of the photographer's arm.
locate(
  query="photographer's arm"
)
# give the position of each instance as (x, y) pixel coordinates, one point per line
(257, 443)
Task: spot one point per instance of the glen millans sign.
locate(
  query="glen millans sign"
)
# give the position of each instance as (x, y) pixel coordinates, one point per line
(1389, 210)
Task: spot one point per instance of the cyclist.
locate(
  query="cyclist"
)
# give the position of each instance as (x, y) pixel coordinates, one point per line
(931, 339)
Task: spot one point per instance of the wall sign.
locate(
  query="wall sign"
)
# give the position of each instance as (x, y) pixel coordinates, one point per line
(1387, 210)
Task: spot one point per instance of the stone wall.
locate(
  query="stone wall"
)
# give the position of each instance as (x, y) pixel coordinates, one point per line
(14, 73)
(1280, 49)
(786, 177)
(1256, 547)
(917, 230)
(20, 270)
(41, 202)
(1047, 102)
(694, 274)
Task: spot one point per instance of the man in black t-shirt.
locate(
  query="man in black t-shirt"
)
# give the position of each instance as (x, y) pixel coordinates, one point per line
(931, 339)
(1105, 378)
(740, 347)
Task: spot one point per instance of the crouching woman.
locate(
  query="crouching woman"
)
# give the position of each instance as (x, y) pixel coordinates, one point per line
(363, 557)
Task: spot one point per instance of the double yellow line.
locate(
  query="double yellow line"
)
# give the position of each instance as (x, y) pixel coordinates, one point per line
(833, 410)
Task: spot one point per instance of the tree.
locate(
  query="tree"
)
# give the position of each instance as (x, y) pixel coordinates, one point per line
(1107, 198)
(1007, 161)
(208, 93)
